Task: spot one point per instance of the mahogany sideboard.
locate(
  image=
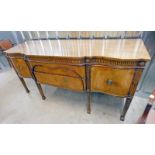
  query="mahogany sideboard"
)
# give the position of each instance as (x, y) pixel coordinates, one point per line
(110, 66)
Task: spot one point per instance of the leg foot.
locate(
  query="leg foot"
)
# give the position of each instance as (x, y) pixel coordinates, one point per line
(126, 107)
(43, 97)
(41, 91)
(24, 84)
(122, 118)
(28, 91)
(88, 111)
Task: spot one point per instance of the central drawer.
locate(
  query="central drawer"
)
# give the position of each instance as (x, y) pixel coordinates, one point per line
(63, 76)
(113, 81)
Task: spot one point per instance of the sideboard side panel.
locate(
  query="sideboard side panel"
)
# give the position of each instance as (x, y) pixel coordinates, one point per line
(21, 67)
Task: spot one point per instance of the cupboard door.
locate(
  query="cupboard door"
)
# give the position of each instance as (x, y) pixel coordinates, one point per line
(112, 81)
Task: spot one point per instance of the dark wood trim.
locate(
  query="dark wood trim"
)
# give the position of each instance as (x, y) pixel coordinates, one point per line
(88, 83)
(82, 60)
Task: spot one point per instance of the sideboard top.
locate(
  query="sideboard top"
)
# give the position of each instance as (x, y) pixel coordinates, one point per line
(113, 48)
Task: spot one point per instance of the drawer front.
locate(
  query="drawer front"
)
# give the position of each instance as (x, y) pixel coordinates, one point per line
(111, 81)
(61, 81)
(21, 67)
(63, 76)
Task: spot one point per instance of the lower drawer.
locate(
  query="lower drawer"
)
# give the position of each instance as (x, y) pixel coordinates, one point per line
(61, 81)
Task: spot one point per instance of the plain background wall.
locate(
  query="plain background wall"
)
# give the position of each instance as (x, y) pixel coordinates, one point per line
(148, 80)
(14, 36)
(7, 35)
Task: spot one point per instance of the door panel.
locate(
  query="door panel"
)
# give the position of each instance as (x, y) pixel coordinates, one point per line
(112, 81)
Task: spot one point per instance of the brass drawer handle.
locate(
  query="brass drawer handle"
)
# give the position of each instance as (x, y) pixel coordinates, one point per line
(109, 82)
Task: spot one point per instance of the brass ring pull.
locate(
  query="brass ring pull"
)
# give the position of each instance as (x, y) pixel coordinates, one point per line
(109, 82)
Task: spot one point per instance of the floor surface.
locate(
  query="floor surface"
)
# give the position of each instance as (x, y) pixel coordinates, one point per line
(61, 106)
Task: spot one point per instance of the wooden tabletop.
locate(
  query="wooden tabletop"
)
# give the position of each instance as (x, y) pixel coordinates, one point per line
(113, 48)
